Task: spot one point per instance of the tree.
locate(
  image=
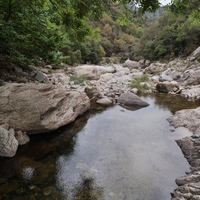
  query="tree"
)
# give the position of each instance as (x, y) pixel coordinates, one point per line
(28, 30)
(31, 30)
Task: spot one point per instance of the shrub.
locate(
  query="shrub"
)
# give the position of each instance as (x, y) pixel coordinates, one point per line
(136, 83)
(79, 79)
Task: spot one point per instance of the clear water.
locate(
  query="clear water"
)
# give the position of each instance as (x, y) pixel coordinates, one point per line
(114, 154)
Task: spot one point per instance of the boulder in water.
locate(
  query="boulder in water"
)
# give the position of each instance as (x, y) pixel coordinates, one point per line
(131, 100)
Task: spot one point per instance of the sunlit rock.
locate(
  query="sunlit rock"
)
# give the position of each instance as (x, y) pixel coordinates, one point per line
(104, 101)
(37, 108)
(131, 64)
(89, 71)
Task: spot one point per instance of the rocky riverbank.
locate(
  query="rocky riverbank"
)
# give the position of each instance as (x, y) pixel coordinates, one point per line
(188, 185)
(35, 100)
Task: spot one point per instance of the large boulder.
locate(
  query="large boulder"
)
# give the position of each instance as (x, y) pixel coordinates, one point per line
(36, 108)
(89, 71)
(130, 99)
(8, 143)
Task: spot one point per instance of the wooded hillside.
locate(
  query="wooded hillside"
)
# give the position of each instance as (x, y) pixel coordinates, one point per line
(66, 31)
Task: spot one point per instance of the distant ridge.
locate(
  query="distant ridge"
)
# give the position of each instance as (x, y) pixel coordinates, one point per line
(149, 15)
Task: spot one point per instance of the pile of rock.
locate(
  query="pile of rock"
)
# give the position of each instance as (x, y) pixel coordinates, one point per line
(47, 101)
(10, 139)
(178, 76)
(189, 185)
(36, 108)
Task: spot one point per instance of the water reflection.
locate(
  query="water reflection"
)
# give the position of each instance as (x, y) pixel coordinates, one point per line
(173, 103)
(131, 154)
(107, 154)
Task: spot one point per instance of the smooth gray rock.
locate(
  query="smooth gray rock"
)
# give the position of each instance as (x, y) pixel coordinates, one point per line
(131, 64)
(37, 108)
(41, 77)
(130, 99)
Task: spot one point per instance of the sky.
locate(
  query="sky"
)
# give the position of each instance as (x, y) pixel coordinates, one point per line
(164, 2)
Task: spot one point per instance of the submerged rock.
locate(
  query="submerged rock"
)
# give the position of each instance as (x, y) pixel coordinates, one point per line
(9, 187)
(36, 108)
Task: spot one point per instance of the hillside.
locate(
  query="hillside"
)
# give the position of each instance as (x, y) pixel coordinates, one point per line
(78, 32)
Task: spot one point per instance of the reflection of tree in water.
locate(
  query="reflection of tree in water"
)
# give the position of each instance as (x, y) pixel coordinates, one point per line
(173, 102)
(88, 189)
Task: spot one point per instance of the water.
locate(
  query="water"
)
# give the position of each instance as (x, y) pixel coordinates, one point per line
(114, 154)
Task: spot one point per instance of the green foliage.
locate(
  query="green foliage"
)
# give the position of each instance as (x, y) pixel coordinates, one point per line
(79, 79)
(172, 35)
(123, 21)
(28, 31)
(33, 31)
(185, 7)
(136, 83)
(107, 45)
(189, 33)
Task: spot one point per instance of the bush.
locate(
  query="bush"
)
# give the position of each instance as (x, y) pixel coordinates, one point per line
(136, 83)
(79, 79)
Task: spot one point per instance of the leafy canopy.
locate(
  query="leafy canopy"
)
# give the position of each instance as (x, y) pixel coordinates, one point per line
(31, 30)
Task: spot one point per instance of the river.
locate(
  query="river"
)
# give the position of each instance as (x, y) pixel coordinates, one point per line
(107, 154)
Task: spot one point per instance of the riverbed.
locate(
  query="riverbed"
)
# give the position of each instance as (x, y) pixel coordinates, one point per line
(111, 153)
